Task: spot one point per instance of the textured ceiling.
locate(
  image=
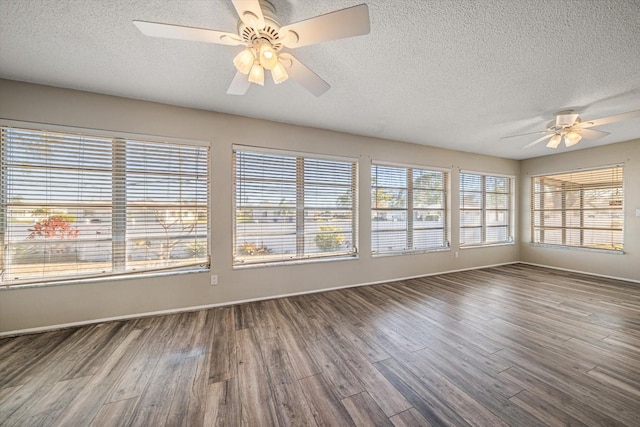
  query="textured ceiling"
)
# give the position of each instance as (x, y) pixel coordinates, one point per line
(457, 74)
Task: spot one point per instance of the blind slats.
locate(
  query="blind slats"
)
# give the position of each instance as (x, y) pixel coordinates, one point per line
(293, 207)
(78, 206)
(408, 209)
(486, 204)
(579, 209)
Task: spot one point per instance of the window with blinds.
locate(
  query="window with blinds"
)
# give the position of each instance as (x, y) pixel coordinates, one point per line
(78, 206)
(580, 209)
(292, 207)
(486, 204)
(408, 209)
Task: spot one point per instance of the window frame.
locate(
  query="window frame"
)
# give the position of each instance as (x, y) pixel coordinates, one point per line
(563, 211)
(300, 256)
(483, 210)
(409, 209)
(119, 240)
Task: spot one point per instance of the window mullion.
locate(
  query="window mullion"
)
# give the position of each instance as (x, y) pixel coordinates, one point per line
(445, 210)
(483, 209)
(409, 212)
(300, 250)
(542, 210)
(582, 217)
(563, 204)
(3, 199)
(354, 206)
(119, 206)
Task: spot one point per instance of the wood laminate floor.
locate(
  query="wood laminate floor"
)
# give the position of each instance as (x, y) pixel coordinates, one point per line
(513, 345)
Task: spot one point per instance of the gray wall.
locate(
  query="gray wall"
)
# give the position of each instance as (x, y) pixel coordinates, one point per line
(623, 266)
(22, 309)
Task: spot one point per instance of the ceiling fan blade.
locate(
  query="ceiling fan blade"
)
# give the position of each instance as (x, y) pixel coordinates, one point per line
(239, 85)
(350, 22)
(525, 134)
(610, 119)
(537, 141)
(168, 31)
(303, 75)
(563, 120)
(250, 13)
(593, 134)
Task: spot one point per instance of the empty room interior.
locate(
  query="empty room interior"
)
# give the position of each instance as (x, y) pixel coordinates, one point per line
(332, 213)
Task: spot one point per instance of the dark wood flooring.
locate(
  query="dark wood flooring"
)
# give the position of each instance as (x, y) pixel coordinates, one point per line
(514, 345)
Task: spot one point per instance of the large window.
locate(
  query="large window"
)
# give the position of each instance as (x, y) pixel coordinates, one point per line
(408, 209)
(78, 206)
(581, 209)
(292, 207)
(486, 203)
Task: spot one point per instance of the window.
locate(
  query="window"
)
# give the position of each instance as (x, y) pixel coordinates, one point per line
(580, 209)
(293, 207)
(408, 209)
(485, 209)
(79, 206)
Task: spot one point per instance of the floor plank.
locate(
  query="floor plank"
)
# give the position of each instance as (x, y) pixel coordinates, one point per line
(510, 345)
(254, 388)
(364, 411)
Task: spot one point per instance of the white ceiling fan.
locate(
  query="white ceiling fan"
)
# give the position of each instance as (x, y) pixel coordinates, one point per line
(266, 42)
(568, 126)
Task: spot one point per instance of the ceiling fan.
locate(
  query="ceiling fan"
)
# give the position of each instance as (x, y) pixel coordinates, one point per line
(568, 126)
(266, 42)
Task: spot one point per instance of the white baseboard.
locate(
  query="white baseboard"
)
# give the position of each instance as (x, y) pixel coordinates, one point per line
(222, 304)
(626, 279)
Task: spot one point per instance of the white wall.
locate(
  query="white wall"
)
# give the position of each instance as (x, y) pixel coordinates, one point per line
(55, 305)
(625, 266)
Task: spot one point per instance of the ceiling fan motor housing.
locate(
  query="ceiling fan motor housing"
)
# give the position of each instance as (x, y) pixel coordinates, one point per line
(270, 32)
(563, 122)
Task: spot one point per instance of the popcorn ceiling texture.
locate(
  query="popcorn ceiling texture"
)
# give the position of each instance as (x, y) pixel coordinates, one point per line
(445, 73)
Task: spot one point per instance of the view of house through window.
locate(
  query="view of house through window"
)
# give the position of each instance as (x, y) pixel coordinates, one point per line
(293, 207)
(408, 209)
(77, 206)
(486, 204)
(581, 208)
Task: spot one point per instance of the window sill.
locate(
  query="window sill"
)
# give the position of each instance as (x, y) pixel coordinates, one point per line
(413, 252)
(487, 245)
(578, 248)
(293, 262)
(102, 279)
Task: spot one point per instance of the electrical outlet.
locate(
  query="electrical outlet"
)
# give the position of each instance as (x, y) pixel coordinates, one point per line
(456, 254)
(214, 280)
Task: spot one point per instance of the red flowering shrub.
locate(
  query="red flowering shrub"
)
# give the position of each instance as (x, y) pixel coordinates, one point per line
(55, 227)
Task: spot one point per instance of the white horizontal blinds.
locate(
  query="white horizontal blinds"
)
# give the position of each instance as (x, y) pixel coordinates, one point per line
(471, 209)
(429, 209)
(389, 211)
(57, 205)
(580, 208)
(497, 209)
(290, 207)
(166, 211)
(329, 222)
(485, 209)
(408, 209)
(265, 207)
(75, 206)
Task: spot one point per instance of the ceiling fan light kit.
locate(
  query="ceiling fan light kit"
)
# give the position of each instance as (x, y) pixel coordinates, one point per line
(568, 126)
(264, 38)
(554, 141)
(256, 75)
(259, 56)
(278, 73)
(572, 138)
(244, 61)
